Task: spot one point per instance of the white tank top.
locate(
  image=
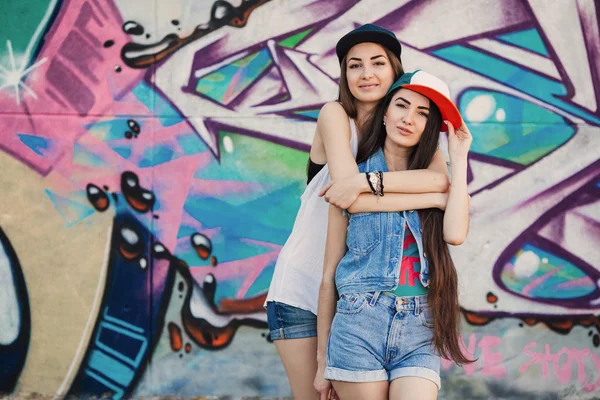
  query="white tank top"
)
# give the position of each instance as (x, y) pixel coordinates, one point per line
(299, 267)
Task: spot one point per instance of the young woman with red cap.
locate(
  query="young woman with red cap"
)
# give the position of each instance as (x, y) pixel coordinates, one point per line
(370, 62)
(398, 310)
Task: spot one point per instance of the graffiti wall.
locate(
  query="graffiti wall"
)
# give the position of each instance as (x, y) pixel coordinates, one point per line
(152, 156)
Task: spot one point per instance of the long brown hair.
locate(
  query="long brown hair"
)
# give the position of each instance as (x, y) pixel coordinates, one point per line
(347, 99)
(442, 295)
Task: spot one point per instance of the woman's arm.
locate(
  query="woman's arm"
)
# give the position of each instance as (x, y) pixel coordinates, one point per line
(335, 248)
(392, 202)
(344, 192)
(456, 217)
(334, 129)
(434, 179)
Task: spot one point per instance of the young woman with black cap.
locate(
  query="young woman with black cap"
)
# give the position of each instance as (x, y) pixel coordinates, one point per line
(398, 309)
(370, 62)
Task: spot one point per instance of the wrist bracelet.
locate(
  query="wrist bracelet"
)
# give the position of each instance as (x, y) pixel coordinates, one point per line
(368, 175)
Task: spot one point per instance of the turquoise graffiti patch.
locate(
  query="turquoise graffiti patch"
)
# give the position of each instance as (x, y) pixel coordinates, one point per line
(538, 274)
(497, 123)
(528, 39)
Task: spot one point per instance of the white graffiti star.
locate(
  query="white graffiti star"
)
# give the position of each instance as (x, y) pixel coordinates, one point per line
(14, 76)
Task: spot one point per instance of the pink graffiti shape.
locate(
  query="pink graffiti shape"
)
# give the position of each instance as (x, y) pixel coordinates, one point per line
(563, 373)
(538, 281)
(492, 362)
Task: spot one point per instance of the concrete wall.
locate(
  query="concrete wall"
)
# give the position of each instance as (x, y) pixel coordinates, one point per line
(153, 154)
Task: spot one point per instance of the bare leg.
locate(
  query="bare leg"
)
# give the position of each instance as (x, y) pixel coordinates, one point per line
(299, 358)
(413, 388)
(362, 390)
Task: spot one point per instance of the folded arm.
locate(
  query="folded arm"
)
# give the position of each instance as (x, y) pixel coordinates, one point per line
(434, 179)
(393, 202)
(345, 192)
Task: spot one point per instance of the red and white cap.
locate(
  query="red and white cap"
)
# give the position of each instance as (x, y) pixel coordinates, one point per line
(435, 90)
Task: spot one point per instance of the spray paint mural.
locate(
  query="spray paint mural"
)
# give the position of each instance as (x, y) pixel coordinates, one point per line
(153, 157)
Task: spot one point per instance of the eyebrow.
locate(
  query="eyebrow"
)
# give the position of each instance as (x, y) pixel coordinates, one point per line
(372, 58)
(408, 102)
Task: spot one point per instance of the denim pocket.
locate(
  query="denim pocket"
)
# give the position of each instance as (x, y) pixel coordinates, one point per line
(364, 232)
(426, 317)
(351, 303)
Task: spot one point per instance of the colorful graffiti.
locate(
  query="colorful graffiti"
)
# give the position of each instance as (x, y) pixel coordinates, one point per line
(153, 158)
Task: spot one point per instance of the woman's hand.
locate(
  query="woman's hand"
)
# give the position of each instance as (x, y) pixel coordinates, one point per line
(343, 192)
(323, 386)
(459, 142)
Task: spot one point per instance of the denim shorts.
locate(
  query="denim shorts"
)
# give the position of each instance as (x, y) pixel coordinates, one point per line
(380, 337)
(288, 322)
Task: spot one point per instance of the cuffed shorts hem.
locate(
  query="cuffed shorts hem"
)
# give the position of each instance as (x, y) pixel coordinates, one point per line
(289, 322)
(419, 372)
(294, 332)
(343, 375)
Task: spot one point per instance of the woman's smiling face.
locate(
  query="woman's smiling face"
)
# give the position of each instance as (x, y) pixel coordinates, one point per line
(369, 72)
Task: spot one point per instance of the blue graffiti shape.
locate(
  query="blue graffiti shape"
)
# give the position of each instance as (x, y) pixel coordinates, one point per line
(15, 319)
(131, 317)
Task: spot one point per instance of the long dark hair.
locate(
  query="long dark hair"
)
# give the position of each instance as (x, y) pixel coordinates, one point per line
(347, 99)
(442, 295)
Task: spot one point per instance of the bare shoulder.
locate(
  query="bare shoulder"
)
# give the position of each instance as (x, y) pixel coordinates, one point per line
(332, 108)
(333, 120)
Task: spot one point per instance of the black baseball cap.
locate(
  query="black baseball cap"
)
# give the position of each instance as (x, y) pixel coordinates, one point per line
(368, 33)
